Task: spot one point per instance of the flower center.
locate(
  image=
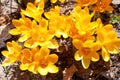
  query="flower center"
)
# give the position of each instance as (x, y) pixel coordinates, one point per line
(86, 50)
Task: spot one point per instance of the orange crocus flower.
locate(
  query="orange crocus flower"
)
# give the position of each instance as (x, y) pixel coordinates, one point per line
(103, 5)
(86, 2)
(39, 61)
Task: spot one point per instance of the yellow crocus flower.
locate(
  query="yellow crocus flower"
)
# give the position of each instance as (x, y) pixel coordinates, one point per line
(34, 34)
(23, 26)
(81, 26)
(41, 36)
(86, 51)
(59, 24)
(34, 11)
(108, 40)
(13, 53)
(82, 23)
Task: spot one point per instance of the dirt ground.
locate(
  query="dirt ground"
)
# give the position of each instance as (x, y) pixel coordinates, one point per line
(9, 9)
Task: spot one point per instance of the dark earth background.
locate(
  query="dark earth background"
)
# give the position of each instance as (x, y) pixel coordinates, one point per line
(10, 9)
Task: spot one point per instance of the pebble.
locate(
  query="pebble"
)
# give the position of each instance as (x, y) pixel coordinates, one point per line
(116, 1)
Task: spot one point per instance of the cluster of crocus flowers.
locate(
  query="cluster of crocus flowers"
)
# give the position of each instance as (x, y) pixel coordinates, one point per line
(91, 36)
(38, 28)
(36, 60)
(83, 38)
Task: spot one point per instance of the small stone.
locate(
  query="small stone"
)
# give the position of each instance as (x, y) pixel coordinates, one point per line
(116, 1)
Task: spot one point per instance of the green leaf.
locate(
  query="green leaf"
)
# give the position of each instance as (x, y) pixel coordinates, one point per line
(114, 20)
(118, 18)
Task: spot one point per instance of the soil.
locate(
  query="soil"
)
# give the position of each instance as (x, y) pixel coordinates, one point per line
(10, 9)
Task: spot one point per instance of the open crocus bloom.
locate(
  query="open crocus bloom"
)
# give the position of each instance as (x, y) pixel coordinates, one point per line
(108, 40)
(34, 11)
(56, 18)
(13, 53)
(86, 51)
(39, 61)
(103, 5)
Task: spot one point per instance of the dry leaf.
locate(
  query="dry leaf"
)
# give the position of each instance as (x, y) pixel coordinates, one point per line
(68, 73)
(4, 27)
(8, 6)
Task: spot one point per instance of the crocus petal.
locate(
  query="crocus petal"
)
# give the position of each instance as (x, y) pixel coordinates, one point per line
(44, 51)
(100, 35)
(77, 43)
(108, 27)
(24, 66)
(113, 49)
(53, 58)
(116, 41)
(23, 38)
(77, 56)
(31, 6)
(97, 46)
(30, 43)
(53, 1)
(109, 8)
(5, 53)
(27, 54)
(33, 68)
(91, 44)
(16, 23)
(52, 44)
(16, 46)
(34, 50)
(8, 62)
(86, 2)
(43, 71)
(85, 63)
(42, 54)
(52, 68)
(112, 34)
(10, 47)
(105, 55)
(95, 56)
(15, 31)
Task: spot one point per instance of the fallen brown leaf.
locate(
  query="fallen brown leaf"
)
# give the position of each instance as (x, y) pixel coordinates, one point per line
(68, 73)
